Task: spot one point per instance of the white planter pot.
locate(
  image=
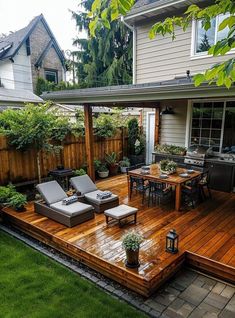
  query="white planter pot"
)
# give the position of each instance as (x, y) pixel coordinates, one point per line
(123, 169)
(103, 174)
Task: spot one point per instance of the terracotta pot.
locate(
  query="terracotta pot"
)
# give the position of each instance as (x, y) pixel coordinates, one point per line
(132, 259)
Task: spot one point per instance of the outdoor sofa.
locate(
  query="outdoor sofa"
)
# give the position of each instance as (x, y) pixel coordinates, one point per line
(53, 205)
(87, 188)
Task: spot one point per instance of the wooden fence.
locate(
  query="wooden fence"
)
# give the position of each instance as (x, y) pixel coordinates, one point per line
(17, 166)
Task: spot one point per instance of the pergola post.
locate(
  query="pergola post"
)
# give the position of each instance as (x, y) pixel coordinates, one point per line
(157, 126)
(89, 141)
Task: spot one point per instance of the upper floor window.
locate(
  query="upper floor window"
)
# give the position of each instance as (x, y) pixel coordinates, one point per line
(204, 40)
(51, 76)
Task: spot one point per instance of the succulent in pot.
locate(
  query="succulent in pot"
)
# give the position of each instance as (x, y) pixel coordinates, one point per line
(131, 243)
(124, 164)
(103, 171)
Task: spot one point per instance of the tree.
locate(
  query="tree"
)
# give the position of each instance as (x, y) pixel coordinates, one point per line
(222, 73)
(105, 59)
(204, 45)
(34, 127)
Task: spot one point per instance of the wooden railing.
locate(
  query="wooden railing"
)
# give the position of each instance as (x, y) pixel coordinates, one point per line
(20, 166)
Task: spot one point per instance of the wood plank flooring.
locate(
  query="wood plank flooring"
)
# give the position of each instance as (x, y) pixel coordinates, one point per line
(206, 238)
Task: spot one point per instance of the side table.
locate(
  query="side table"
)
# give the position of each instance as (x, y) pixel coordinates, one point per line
(62, 177)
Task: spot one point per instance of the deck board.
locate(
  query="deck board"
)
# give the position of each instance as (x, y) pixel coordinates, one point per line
(207, 238)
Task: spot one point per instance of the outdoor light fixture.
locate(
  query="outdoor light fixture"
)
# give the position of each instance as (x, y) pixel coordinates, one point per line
(172, 242)
(167, 111)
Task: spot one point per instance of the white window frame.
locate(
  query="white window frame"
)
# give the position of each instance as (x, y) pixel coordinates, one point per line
(201, 55)
(190, 117)
(55, 72)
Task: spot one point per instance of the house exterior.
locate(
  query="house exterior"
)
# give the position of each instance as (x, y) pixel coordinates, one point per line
(161, 60)
(28, 54)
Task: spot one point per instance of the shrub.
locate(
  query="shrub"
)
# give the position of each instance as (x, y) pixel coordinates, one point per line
(79, 172)
(17, 201)
(132, 241)
(6, 193)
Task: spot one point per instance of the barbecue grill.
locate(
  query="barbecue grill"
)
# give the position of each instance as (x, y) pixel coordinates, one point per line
(196, 155)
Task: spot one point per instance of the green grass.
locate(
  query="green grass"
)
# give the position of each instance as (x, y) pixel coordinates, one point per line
(32, 285)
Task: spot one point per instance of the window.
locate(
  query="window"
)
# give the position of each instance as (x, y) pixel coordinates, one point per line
(213, 125)
(51, 76)
(204, 40)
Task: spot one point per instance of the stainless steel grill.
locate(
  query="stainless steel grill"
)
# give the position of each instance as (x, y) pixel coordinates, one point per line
(196, 155)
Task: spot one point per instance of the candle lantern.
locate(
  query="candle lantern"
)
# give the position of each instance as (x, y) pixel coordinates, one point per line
(172, 242)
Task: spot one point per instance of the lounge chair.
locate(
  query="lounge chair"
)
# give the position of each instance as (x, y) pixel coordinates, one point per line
(86, 187)
(53, 207)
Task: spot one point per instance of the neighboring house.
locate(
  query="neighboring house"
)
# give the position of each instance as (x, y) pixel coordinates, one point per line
(28, 54)
(160, 60)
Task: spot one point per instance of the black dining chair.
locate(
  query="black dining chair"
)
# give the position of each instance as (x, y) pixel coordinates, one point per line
(204, 185)
(191, 191)
(158, 191)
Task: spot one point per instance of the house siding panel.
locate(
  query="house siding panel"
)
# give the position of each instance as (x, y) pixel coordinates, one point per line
(6, 74)
(173, 127)
(22, 70)
(162, 59)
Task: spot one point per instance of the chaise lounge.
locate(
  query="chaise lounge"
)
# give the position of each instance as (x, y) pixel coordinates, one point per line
(58, 207)
(87, 188)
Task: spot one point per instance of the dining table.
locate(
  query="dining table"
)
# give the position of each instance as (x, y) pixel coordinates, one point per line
(177, 179)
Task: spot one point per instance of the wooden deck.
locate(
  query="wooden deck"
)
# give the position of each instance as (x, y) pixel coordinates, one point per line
(206, 239)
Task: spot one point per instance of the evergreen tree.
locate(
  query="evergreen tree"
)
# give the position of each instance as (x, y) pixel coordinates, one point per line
(204, 45)
(105, 59)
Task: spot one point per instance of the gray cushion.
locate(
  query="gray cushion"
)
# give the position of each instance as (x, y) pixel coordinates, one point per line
(83, 184)
(51, 192)
(92, 197)
(73, 209)
(120, 211)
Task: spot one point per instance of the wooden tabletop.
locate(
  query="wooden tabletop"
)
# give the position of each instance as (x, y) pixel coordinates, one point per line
(174, 178)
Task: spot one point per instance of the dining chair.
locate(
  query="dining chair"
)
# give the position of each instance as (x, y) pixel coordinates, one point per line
(191, 191)
(158, 191)
(204, 184)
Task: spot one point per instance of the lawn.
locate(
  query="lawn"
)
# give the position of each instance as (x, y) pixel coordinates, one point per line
(32, 285)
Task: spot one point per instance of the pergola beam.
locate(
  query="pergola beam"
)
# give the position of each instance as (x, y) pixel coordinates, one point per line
(89, 141)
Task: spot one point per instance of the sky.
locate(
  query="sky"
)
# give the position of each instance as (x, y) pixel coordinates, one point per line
(16, 14)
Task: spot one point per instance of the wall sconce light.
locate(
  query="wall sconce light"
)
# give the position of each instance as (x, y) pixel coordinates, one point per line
(172, 242)
(167, 111)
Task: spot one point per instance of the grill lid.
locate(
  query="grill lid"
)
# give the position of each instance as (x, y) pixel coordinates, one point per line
(197, 151)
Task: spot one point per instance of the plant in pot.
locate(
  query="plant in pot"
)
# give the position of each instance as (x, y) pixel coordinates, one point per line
(111, 160)
(6, 193)
(131, 243)
(168, 166)
(124, 164)
(18, 202)
(103, 171)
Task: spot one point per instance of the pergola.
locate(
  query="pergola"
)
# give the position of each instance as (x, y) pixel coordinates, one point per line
(140, 95)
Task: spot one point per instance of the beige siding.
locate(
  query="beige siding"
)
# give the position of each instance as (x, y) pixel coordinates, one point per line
(163, 59)
(173, 127)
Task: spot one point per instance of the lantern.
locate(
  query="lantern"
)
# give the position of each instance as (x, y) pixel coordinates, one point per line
(172, 241)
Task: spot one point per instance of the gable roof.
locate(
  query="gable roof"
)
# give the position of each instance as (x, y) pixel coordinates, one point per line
(11, 44)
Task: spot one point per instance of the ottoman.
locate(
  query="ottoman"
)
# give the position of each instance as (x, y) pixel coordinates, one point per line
(119, 213)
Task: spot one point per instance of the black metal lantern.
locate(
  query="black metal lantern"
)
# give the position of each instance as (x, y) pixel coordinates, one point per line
(172, 242)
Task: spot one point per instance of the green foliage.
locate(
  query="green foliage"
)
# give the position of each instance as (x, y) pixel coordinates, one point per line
(125, 162)
(80, 172)
(170, 149)
(17, 201)
(6, 193)
(105, 126)
(33, 127)
(132, 240)
(43, 85)
(103, 168)
(136, 140)
(97, 164)
(111, 158)
(168, 165)
(107, 58)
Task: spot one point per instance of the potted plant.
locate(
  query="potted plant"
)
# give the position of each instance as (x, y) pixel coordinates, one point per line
(18, 202)
(79, 172)
(131, 243)
(168, 166)
(6, 193)
(111, 160)
(103, 171)
(124, 164)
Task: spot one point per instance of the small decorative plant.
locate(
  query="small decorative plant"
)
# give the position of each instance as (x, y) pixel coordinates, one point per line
(111, 160)
(168, 166)
(131, 243)
(6, 193)
(18, 201)
(103, 171)
(124, 164)
(79, 172)
(132, 240)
